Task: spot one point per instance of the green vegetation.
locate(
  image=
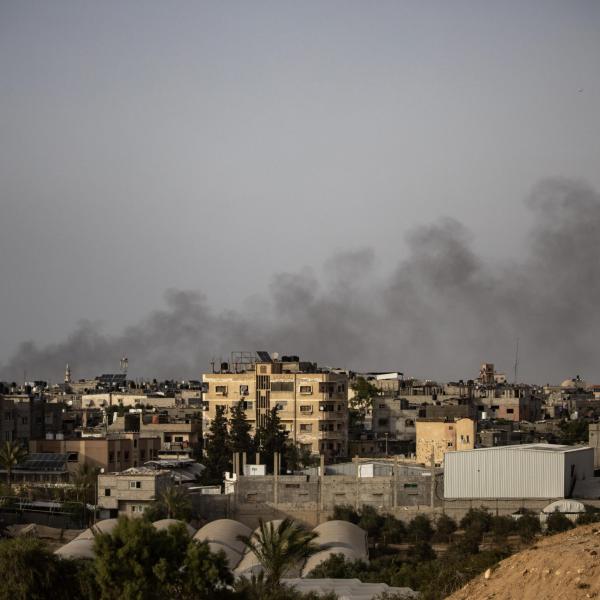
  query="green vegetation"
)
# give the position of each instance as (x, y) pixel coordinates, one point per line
(270, 437)
(557, 522)
(217, 456)
(11, 454)
(482, 541)
(173, 503)
(573, 432)
(278, 548)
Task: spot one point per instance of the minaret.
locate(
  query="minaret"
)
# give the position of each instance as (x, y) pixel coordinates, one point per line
(67, 374)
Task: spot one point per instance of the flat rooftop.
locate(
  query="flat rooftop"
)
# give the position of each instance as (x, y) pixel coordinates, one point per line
(555, 448)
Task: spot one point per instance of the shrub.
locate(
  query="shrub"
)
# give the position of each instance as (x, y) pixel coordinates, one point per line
(558, 522)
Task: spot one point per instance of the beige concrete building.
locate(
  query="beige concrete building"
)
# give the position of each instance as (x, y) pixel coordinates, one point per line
(115, 452)
(130, 492)
(438, 436)
(175, 433)
(313, 404)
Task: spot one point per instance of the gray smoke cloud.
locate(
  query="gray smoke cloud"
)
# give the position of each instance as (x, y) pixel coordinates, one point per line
(438, 314)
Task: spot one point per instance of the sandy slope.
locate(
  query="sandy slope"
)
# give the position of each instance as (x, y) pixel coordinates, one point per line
(564, 566)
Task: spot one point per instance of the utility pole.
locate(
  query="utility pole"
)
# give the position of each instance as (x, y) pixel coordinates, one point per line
(517, 362)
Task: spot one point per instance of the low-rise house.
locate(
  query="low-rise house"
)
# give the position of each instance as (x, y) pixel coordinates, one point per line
(130, 492)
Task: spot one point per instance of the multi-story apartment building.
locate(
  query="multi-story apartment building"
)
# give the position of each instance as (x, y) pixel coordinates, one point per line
(312, 402)
(25, 417)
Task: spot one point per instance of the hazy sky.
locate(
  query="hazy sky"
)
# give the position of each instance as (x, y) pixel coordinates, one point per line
(209, 146)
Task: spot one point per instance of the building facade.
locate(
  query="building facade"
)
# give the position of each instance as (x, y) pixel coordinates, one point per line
(312, 403)
(130, 492)
(436, 437)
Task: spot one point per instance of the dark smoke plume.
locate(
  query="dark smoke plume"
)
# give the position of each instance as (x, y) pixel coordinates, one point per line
(439, 314)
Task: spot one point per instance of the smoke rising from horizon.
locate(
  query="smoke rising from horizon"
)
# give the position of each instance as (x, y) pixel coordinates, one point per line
(439, 313)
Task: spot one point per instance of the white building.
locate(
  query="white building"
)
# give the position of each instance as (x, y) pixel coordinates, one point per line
(515, 472)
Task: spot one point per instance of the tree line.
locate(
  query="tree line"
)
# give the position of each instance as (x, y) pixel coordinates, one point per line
(228, 436)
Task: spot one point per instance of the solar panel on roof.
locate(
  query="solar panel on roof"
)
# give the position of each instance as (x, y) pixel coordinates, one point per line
(264, 356)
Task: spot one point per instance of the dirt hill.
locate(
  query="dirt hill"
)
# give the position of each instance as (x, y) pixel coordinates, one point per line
(564, 566)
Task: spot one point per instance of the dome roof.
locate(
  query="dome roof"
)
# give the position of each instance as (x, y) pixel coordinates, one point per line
(316, 559)
(77, 548)
(166, 523)
(342, 534)
(233, 556)
(226, 532)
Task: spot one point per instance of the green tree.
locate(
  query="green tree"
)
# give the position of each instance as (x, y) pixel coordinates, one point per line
(345, 512)
(30, 571)
(173, 502)
(419, 529)
(501, 527)
(393, 531)
(240, 439)
(558, 522)
(371, 521)
(278, 548)
(11, 454)
(445, 527)
(360, 403)
(528, 526)
(478, 518)
(138, 562)
(84, 481)
(573, 432)
(217, 455)
(271, 437)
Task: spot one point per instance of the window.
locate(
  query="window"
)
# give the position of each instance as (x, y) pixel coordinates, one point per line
(73, 457)
(282, 386)
(221, 389)
(411, 488)
(126, 455)
(281, 406)
(382, 406)
(306, 408)
(305, 427)
(179, 438)
(510, 411)
(142, 455)
(449, 444)
(244, 391)
(111, 457)
(248, 405)
(107, 492)
(135, 485)
(306, 389)
(292, 485)
(382, 422)
(135, 442)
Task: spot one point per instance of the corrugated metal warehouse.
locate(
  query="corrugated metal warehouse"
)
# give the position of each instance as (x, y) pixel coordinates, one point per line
(526, 471)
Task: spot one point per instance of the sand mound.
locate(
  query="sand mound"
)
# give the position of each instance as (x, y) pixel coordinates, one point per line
(564, 566)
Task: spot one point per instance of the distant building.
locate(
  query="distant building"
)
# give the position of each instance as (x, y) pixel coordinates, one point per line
(436, 437)
(130, 492)
(114, 452)
(312, 403)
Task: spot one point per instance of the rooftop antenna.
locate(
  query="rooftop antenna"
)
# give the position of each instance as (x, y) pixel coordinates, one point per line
(517, 361)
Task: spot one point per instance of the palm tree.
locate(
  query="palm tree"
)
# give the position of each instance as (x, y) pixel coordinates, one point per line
(85, 482)
(175, 502)
(11, 454)
(279, 547)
